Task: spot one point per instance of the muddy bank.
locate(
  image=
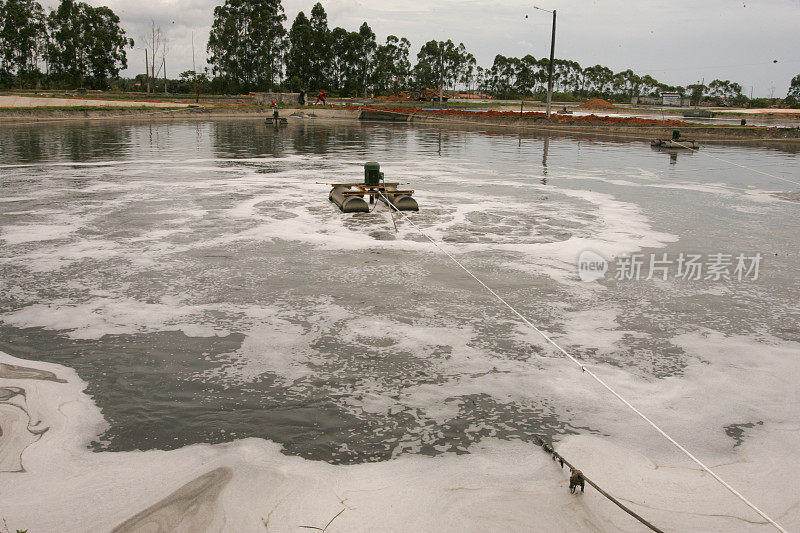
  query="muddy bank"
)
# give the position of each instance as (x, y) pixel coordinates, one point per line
(48, 114)
(613, 127)
(622, 127)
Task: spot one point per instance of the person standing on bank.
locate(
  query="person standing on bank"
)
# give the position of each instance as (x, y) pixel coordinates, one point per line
(321, 98)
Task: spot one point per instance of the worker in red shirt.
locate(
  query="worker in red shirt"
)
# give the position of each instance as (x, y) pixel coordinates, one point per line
(321, 98)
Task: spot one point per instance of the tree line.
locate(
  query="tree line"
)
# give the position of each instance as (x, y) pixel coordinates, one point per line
(73, 45)
(251, 49)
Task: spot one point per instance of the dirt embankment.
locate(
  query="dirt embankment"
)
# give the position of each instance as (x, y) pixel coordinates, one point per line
(54, 114)
(619, 127)
(558, 119)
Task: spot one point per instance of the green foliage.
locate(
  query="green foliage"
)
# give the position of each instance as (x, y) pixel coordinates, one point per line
(794, 88)
(724, 89)
(249, 47)
(442, 63)
(22, 39)
(352, 65)
(86, 44)
(697, 92)
(301, 49)
(320, 59)
(392, 67)
(247, 43)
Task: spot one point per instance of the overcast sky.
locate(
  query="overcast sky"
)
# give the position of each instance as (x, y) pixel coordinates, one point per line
(675, 41)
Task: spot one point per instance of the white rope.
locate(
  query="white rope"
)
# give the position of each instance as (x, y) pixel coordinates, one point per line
(586, 370)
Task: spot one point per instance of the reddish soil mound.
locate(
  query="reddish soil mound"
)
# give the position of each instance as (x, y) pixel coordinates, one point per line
(596, 103)
(560, 119)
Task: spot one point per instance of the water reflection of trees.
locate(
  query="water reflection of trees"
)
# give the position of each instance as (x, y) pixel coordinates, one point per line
(75, 141)
(253, 138)
(245, 138)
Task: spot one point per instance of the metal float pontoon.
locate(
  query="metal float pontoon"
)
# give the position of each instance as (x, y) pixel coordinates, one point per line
(350, 196)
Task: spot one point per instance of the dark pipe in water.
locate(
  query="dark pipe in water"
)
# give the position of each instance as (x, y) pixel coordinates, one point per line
(348, 204)
(403, 202)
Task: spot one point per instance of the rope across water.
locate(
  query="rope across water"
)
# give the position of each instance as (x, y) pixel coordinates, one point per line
(587, 370)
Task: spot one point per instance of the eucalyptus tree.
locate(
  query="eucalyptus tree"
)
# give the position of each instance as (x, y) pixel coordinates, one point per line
(367, 50)
(468, 72)
(440, 63)
(651, 86)
(456, 58)
(629, 82)
(23, 35)
(480, 80)
(321, 55)
(247, 41)
(527, 75)
(105, 44)
(347, 47)
(392, 67)
(600, 78)
(503, 75)
(85, 42)
(338, 41)
(794, 88)
(724, 89)
(570, 73)
(428, 69)
(298, 57)
(697, 92)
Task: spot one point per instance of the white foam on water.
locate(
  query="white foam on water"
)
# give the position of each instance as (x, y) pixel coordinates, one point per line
(727, 380)
(35, 233)
(97, 317)
(498, 484)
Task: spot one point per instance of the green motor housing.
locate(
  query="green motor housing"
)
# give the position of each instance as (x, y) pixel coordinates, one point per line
(372, 174)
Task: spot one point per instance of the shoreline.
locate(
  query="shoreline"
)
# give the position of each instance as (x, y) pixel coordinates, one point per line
(700, 132)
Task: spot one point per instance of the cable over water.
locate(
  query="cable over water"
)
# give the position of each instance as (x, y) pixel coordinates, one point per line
(588, 371)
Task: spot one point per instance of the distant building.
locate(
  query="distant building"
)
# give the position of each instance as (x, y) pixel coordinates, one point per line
(666, 99)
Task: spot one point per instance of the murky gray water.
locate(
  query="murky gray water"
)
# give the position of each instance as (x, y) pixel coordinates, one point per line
(199, 280)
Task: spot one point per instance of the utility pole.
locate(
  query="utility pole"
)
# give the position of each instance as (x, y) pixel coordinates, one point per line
(164, 65)
(147, 69)
(552, 58)
(550, 68)
(441, 73)
(194, 69)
